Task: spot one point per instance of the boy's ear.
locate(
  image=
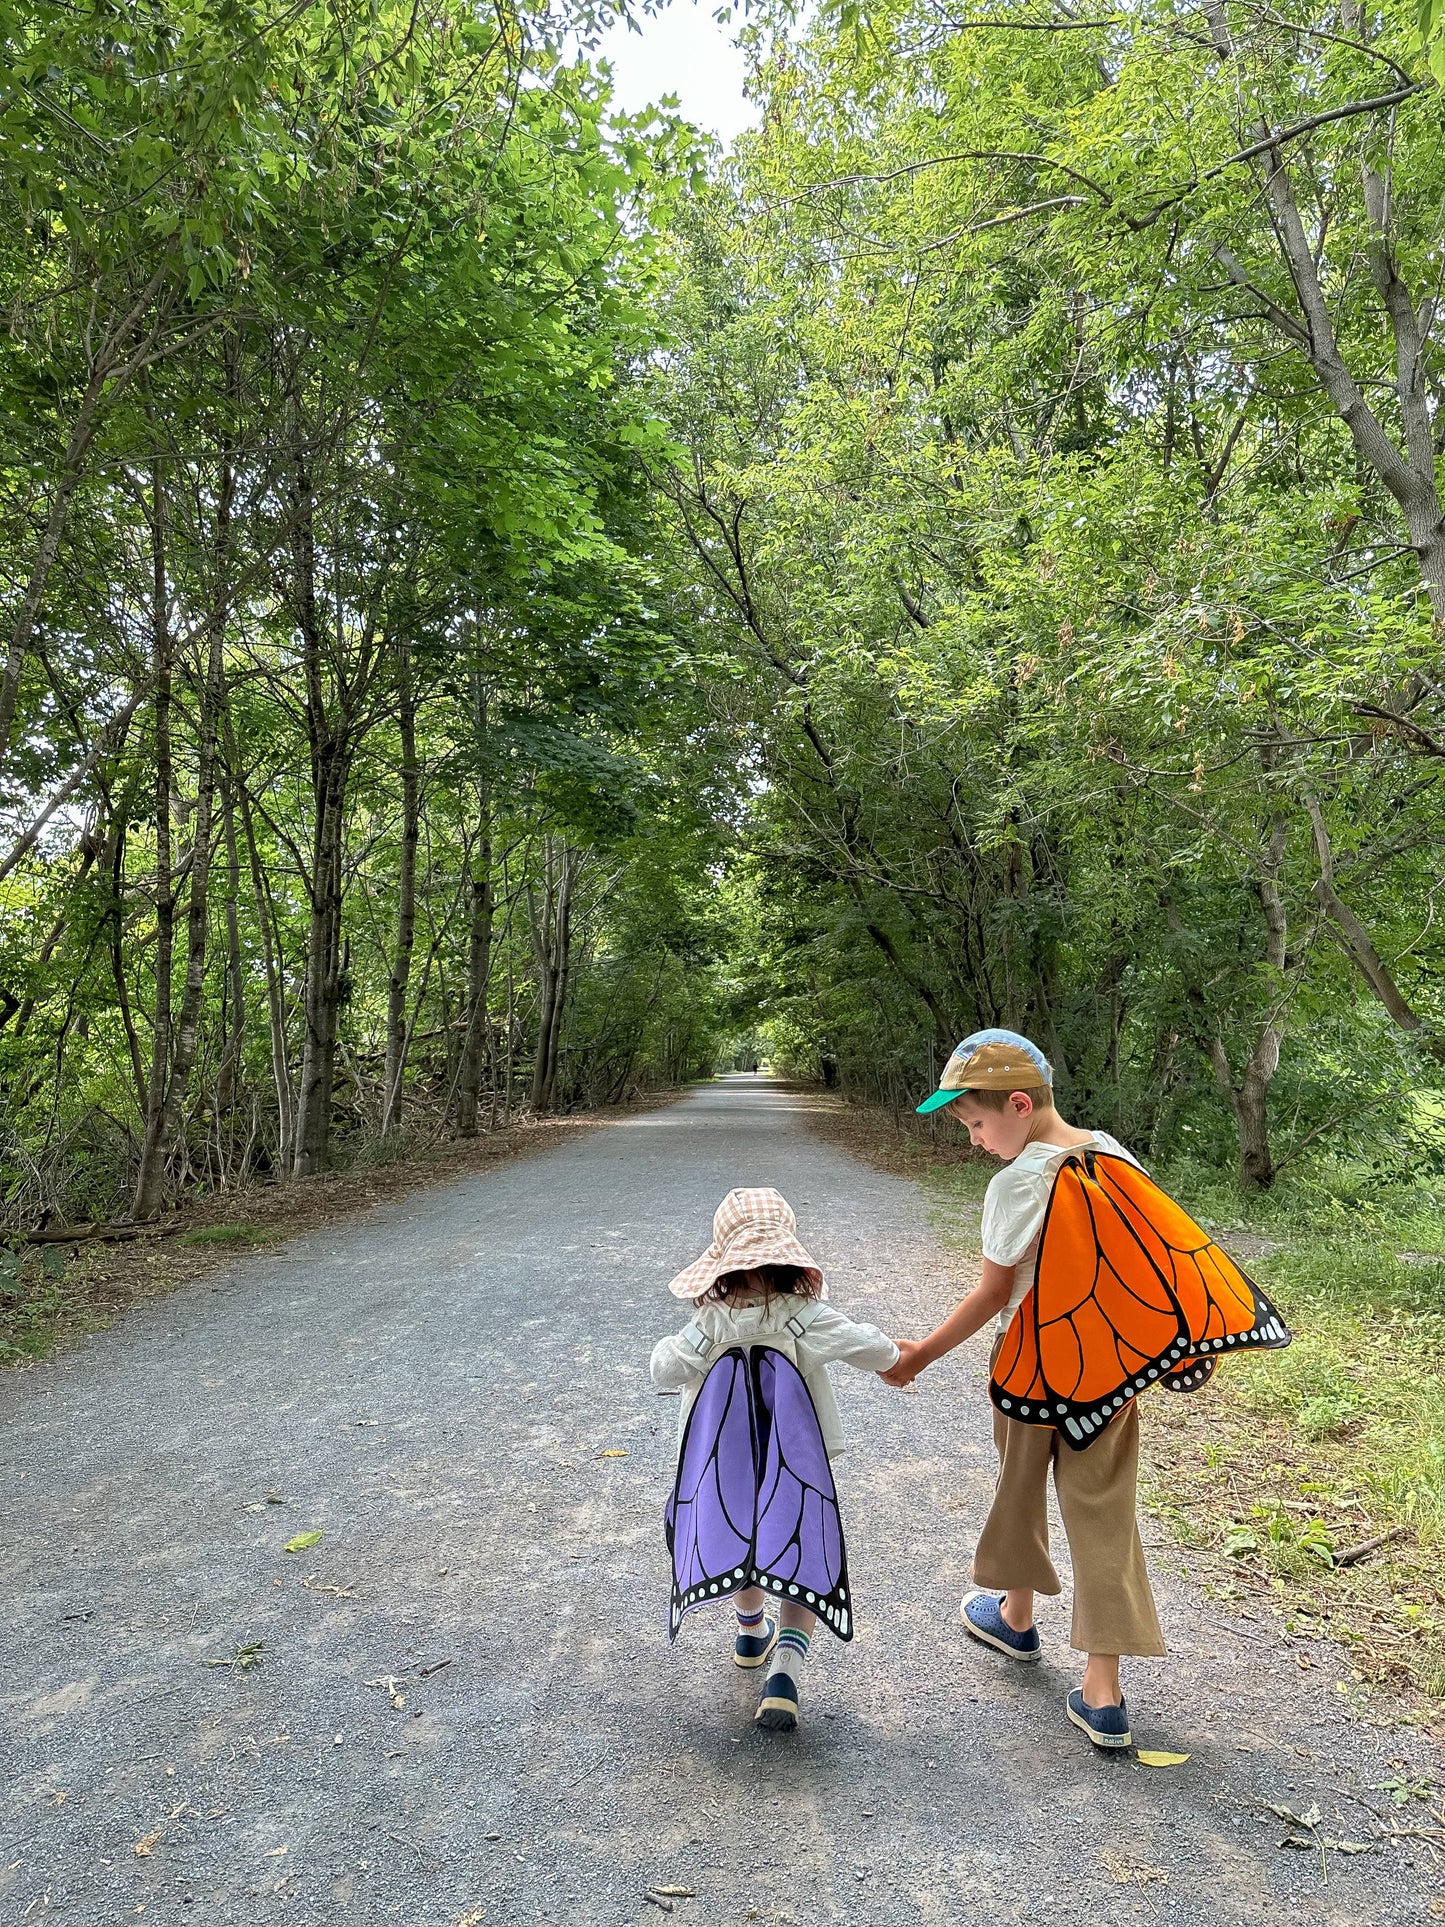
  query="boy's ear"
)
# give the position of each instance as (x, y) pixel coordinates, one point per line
(1022, 1102)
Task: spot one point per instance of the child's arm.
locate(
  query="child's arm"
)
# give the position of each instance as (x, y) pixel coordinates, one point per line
(677, 1358)
(985, 1301)
(833, 1338)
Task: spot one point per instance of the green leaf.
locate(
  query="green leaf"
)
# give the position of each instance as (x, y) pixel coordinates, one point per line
(304, 1541)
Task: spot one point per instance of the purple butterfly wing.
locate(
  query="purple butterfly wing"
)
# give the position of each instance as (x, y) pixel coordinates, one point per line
(798, 1549)
(711, 1513)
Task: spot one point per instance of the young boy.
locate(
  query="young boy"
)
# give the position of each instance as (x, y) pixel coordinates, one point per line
(1000, 1085)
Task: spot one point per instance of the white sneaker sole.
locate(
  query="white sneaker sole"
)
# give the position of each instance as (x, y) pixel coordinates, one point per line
(751, 1665)
(1107, 1742)
(990, 1639)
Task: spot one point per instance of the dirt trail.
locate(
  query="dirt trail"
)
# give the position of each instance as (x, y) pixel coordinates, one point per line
(435, 1389)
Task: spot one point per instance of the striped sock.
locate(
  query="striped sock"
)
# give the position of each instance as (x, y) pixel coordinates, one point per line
(750, 1622)
(790, 1652)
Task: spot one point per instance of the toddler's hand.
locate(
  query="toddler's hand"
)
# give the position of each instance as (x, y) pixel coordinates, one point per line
(903, 1373)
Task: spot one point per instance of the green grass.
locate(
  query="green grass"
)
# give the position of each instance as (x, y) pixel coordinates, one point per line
(228, 1234)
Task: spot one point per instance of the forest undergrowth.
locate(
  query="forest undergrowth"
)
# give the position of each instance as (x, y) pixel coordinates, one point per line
(1308, 1484)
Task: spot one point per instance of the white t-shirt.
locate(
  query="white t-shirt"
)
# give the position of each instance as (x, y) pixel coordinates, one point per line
(1014, 1206)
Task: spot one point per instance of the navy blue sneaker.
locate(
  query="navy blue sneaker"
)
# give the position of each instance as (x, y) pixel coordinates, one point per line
(755, 1649)
(1105, 1725)
(778, 1708)
(983, 1616)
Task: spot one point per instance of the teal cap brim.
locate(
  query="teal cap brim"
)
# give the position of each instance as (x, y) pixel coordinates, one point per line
(936, 1102)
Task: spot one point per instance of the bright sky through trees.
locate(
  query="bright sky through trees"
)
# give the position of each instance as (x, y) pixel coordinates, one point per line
(681, 51)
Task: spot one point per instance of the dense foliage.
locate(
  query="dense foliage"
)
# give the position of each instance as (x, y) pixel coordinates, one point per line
(335, 701)
(498, 613)
(1061, 401)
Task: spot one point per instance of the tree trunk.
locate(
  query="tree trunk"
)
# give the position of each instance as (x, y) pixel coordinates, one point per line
(115, 914)
(542, 929)
(400, 977)
(331, 751)
(479, 970)
(161, 1131)
(226, 1075)
(1359, 947)
(275, 990)
(323, 969)
(1251, 1116)
(162, 670)
(561, 975)
(1249, 1098)
(479, 939)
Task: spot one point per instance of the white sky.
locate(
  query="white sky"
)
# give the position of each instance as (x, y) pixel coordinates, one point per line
(681, 51)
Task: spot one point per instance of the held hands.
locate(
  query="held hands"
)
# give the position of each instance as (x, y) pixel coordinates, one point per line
(911, 1362)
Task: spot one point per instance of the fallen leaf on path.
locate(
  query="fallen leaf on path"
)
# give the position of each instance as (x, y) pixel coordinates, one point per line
(1127, 1870)
(304, 1541)
(472, 1918)
(242, 1660)
(1437, 1906)
(613, 1452)
(338, 1592)
(1148, 1757)
(148, 1843)
(275, 1853)
(675, 1893)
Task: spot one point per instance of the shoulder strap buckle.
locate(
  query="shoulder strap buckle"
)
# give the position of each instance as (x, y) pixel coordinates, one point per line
(698, 1339)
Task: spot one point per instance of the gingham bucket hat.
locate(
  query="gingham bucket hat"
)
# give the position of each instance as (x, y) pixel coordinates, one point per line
(752, 1226)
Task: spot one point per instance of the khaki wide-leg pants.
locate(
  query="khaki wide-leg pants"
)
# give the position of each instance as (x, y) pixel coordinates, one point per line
(1113, 1600)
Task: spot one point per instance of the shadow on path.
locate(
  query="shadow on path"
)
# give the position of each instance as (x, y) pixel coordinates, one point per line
(432, 1389)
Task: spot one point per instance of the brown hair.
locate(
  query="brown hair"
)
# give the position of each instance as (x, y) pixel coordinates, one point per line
(999, 1100)
(777, 1281)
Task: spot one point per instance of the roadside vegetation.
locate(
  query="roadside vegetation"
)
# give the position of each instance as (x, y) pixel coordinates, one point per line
(1312, 1480)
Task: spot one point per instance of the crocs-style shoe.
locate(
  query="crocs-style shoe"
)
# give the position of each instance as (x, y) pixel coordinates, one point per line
(755, 1649)
(1105, 1725)
(983, 1616)
(778, 1708)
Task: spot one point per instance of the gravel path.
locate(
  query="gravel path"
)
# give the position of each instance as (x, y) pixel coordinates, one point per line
(438, 1389)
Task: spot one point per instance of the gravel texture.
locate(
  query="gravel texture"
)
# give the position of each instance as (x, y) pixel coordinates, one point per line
(438, 1389)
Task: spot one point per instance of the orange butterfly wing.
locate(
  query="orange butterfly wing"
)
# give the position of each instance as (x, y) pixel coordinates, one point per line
(1128, 1291)
(1225, 1310)
(1100, 1316)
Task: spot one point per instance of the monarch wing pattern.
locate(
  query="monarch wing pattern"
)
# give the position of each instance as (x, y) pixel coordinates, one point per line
(712, 1514)
(1129, 1291)
(798, 1550)
(754, 1502)
(1224, 1310)
(1189, 1374)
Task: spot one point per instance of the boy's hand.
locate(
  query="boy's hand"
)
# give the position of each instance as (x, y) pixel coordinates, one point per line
(908, 1366)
